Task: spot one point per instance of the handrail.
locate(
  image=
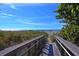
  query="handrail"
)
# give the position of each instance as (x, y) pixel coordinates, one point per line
(67, 46)
(25, 48)
(56, 51)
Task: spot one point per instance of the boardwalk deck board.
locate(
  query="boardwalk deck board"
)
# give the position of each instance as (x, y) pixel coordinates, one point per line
(56, 51)
(47, 50)
(70, 46)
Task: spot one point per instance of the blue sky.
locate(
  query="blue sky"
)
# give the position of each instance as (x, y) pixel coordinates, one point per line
(29, 16)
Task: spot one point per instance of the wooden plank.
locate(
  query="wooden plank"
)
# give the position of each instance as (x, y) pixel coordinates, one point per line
(56, 51)
(70, 46)
(16, 48)
(47, 50)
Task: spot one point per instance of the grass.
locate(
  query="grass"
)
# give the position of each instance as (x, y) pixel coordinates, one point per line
(10, 38)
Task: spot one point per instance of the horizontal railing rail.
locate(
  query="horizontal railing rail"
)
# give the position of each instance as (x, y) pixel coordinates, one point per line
(31, 47)
(66, 47)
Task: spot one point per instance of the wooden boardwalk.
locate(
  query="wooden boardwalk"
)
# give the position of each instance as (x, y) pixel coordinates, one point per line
(42, 46)
(47, 50)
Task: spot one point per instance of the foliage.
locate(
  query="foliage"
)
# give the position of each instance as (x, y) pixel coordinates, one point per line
(9, 38)
(69, 13)
(52, 38)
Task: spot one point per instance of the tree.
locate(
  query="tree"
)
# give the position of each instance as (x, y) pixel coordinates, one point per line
(69, 13)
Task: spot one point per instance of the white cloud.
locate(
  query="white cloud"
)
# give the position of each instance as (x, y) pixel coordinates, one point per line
(11, 29)
(12, 6)
(30, 23)
(40, 17)
(7, 29)
(35, 23)
(26, 22)
(6, 14)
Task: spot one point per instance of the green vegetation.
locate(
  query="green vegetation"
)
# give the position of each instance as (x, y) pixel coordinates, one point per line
(9, 38)
(52, 38)
(68, 13)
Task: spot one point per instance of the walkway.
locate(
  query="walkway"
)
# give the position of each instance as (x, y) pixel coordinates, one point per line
(48, 49)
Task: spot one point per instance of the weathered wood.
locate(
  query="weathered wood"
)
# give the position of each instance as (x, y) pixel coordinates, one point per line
(26, 48)
(72, 48)
(56, 51)
(47, 50)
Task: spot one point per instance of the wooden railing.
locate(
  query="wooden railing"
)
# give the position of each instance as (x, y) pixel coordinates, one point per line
(66, 47)
(28, 48)
(34, 46)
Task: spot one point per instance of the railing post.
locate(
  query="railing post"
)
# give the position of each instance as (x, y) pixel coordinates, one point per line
(30, 48)
(66, 48)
